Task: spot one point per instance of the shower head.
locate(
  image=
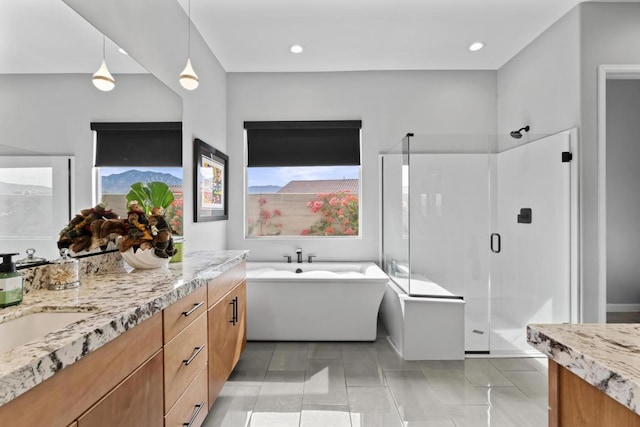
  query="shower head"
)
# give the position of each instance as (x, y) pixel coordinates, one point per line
(517, 134)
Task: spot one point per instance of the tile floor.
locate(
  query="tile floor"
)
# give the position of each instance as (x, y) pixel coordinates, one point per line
(368, 385)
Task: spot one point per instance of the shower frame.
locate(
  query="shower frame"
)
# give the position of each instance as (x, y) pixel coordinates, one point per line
(575, 312)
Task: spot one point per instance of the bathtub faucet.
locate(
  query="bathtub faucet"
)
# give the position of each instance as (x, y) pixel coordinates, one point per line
(299, 253)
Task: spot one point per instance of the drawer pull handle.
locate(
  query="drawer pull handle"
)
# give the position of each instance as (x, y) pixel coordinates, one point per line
(234, 313)
(194, 308)
(195, 414)
(196, 351)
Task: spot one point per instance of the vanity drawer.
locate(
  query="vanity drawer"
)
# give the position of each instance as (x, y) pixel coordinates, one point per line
(184, 356)
(183, 312)
(221, 285)
(192, 405)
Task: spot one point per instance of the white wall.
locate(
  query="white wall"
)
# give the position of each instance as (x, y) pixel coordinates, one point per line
(540, 86)
(623, 194)
(552, 85)
(610, 34)
(154, 32)
(390, 104)
(51, 113)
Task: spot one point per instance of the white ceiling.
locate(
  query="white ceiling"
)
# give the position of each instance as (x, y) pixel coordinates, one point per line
(46, 36)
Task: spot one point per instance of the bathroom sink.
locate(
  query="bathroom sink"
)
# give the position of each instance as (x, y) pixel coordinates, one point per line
(29, 327)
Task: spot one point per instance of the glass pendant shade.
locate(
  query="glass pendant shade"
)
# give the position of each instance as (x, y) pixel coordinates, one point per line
(102, 79)
(188, 78)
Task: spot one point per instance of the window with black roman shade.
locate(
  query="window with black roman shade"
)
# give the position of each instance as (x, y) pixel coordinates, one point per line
(138, 144)
(303, 143)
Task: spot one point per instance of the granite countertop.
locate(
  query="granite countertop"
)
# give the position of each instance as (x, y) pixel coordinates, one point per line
(120, 301)
(607, 356)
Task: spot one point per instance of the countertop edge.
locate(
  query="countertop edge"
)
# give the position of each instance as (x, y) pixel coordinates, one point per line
(594, 371)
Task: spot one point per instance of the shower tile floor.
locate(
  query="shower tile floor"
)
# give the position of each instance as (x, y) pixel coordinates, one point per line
(325, 384)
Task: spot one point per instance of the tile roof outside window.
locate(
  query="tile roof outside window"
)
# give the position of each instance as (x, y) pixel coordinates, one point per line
(322, 186)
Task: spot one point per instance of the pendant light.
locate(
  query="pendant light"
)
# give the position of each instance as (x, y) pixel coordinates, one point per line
(188, 77)
(102, 79)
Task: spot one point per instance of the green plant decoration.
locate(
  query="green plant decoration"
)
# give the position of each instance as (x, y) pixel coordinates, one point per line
(154, 194)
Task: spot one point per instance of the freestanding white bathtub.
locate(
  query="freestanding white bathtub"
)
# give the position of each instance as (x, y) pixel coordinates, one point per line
(325, 301)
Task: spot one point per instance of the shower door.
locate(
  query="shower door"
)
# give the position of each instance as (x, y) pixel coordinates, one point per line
(530, 271)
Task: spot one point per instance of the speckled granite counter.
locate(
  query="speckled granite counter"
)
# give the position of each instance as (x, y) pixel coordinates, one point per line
(120, 301)
(606, 356)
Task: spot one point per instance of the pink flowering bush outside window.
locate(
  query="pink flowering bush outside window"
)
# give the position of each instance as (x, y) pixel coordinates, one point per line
(266, 223)
(339, 215)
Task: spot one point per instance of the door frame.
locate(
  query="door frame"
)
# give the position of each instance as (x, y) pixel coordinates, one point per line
(606, 72)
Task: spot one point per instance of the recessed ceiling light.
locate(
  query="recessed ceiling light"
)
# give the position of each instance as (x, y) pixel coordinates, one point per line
(296, 48)
(476, 46)
(122, 51)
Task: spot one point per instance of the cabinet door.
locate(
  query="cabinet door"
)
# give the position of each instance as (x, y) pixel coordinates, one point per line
(240, 333)
(227, 337)
(221, 343)
(135, 402)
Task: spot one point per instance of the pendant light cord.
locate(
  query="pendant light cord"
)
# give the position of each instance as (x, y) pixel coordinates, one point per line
(104, 54)
(189, 32)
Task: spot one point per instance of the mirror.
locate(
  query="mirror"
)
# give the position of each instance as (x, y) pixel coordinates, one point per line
(47, 56)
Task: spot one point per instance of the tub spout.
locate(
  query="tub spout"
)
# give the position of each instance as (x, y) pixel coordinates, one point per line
(299, 253)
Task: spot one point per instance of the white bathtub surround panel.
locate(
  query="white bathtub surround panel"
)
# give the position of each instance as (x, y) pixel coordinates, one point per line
(424, 328)
(325, 302)
(120, 301)
(607, 356)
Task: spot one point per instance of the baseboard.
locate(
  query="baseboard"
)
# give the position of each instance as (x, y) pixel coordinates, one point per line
(623, 308)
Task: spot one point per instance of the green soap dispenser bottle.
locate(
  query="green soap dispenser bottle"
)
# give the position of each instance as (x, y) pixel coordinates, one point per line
(10, 282)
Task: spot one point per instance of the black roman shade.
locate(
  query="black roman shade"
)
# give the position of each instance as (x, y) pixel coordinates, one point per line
(303, 143)
(138, 144)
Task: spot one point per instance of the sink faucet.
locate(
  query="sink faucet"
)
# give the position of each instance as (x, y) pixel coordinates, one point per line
(299, 253)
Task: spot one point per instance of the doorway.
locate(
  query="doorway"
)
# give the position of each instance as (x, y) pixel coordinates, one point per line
(618, 175)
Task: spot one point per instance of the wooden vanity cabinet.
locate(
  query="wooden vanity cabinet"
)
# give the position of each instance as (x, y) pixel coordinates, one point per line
(169, 369)
(185, 359)
(574, 402)
(227, 326)
(135, 402)
(65, 397)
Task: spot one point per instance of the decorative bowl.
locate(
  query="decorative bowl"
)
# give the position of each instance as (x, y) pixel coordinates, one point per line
(144, 259)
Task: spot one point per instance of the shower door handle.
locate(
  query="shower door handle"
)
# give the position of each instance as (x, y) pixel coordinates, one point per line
(499, 245)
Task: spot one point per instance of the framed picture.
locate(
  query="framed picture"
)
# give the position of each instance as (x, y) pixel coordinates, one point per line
(211, 183)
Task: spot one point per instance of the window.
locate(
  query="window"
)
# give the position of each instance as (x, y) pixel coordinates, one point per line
(115, 182)
(303, 179)
(127, 153)
(35, 203)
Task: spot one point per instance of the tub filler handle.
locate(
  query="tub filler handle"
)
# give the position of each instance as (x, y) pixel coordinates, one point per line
(499, 245)
(310, 258)
(288, 257)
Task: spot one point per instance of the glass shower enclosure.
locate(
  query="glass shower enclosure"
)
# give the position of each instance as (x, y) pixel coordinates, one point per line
(486, 219)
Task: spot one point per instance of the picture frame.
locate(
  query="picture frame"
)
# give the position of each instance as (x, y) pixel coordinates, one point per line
(211, 182)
